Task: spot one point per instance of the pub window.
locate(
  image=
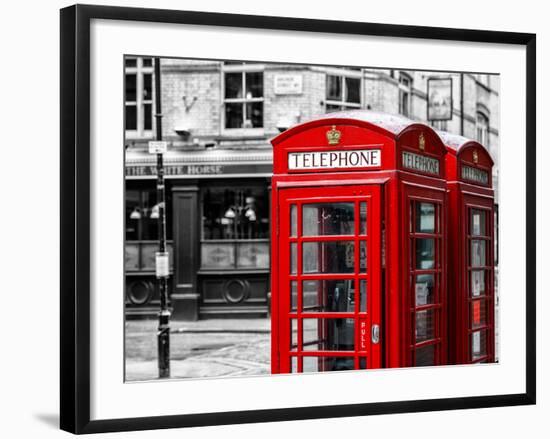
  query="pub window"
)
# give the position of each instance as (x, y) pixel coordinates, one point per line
(482, 129)
(141, 227)
(138, 97)
(235, 227)
(343, 92)
(405, 85)
(243, 95)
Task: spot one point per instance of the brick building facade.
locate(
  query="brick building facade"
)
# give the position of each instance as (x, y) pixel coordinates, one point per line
(219, 117)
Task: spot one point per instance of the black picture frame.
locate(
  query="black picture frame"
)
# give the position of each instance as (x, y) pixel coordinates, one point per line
(75, 217)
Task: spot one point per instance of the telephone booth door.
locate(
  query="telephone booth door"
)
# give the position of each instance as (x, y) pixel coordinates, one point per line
(329, 260)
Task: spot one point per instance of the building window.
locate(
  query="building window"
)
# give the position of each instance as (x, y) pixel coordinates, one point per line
(440, 125)
(343, 92)
(235, 227)
(243, 95)
(482, 129)
(405, 85)
(141, 223)
(138, 101)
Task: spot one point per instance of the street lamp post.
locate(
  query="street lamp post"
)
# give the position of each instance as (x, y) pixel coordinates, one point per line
(161, 259)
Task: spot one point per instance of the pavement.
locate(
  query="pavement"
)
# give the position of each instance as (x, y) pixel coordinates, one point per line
(206, 348)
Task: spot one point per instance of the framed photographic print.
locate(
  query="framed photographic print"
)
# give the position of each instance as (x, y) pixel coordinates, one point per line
(341, 214)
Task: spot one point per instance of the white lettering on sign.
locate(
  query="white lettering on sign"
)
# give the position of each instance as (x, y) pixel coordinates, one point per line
(420, 163)
(474, 174)
(365, 158)
(162, 264)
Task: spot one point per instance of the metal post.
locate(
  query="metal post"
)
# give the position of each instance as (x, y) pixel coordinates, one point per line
(462, 104)
(163, 334)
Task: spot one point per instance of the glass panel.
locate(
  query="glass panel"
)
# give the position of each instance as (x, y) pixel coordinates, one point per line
(131, 117)
(293, 334)
(147, 86)
(477, 226)
(363, 295)
(235, 213)
(233, 85)
(234, 115)
(424, 289)
(131, 87)
(362, 363)
(478, 316)
(478, 253)
(424, 325)
(293, 296)
(425, 254)
(148, 116)
(331, 108)
(254, 85)
(133, 214)
(293, 220)
(217, 255)
(147, 62)
(254, 115)
(478, 283)
(130, 62)
(131, 257)
(327, 364)
(353, 90)
(328, 296)
(328, 219)
(294, 364)
(363, 218)
(334, 87)
(328, 334)
(478, 344)
(363, 257)
(425, 356)
(293, 258)
(328, 257)
(425, 217)
(253, 255)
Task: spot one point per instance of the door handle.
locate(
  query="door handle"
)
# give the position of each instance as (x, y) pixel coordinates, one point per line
(375, 334)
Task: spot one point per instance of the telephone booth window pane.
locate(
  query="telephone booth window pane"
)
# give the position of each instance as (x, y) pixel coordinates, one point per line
(363, 296)
(425, 253)
(478, 341)
(363, 218)
(293, 334)
(333, 334)
(362, 363)
(477, 283)
(425, 356)
(424, 325)
(328, 364)
(294, 364)
(328, 296)
(424, 289)
(363, 256)
(478, 313)
(478, 223)
(293, 257)
(293, 220)
(478, 253)
(293, 295)
(328, 257)
(425, 217)
(328, 219)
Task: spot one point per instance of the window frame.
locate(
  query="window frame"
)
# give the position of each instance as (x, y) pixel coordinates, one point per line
(482, 128)
(405, 89)
(342, 74)
(140, 70)
(242, 68)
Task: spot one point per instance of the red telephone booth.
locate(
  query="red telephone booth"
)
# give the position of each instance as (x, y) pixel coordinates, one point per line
(471, 251)
(358, 244)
